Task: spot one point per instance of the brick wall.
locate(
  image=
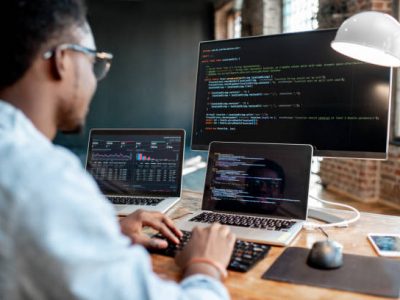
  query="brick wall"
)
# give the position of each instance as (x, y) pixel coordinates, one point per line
(390, 177)
(252, 17)
(364, 180)
(221, 20)
(358, 179)
(382, 5)
(272, 17)
(333, 12)
(261, 17)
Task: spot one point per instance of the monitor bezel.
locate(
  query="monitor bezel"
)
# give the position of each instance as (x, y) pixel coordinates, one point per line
(316, 152)
(305, 150)
(145, 131)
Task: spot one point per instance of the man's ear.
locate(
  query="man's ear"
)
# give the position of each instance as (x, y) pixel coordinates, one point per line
(59, 64)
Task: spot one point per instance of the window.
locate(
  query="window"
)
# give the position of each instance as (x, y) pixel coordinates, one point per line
(396, 115)
(227, 21)
(234, 24)
(396, 124)
(299, 15)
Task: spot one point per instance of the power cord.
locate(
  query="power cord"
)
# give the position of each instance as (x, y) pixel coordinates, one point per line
(313, 225)
(324, 232)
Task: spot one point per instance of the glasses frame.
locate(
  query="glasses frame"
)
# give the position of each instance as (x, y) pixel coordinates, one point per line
(100, 56)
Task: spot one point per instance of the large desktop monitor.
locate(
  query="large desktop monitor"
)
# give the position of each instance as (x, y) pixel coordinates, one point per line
(291, 88)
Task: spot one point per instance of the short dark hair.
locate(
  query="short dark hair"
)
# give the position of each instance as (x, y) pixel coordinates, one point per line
(27, 25)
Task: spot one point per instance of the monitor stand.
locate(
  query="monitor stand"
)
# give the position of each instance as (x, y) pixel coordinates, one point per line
(323, 216)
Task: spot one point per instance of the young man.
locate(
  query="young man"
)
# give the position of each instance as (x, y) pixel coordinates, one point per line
(59, 237)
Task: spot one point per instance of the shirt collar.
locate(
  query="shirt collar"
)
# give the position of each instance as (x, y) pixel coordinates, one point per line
(14, 120)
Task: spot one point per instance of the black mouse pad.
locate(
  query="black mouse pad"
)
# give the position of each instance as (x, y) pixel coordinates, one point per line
(361, 274)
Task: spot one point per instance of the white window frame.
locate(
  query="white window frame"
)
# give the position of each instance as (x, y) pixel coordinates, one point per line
(302, 15)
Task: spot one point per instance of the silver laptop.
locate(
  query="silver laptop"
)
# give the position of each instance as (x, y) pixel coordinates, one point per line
(137, 168)
(259, 190)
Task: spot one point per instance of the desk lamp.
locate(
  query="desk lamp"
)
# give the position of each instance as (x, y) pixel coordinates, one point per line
(372, 37)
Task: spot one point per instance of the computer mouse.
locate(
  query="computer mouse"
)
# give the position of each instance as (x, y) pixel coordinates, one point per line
(325, 255)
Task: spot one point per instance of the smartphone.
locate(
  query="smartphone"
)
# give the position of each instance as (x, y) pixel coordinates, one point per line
(385, 244)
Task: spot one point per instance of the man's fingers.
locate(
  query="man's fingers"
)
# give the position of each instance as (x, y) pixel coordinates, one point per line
(161, 223)
(165, 231)
(225, 230)
(172, 226)
(231, 239)
(148, 242)
(150, 216)
(158, 243)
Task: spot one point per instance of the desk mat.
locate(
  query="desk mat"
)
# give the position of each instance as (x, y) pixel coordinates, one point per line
(376, 276)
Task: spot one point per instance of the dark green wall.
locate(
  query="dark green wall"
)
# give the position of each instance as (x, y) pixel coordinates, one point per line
(152, 79)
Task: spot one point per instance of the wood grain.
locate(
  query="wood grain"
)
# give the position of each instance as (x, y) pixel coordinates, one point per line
(250, 285)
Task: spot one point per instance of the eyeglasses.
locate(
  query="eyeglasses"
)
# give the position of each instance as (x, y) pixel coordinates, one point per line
(102, 60)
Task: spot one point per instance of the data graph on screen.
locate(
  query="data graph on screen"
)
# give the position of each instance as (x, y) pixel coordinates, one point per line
(139, 163)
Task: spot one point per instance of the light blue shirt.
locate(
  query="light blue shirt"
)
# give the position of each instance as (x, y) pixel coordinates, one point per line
(59, 237)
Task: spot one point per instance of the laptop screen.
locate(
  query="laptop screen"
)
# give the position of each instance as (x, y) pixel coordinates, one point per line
(265, 179)
(145, 162)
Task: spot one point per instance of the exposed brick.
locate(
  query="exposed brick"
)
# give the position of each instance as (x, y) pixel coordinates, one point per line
(272, 16)
(382, 5)
(252, 17)
(377, 6)
(360, 178)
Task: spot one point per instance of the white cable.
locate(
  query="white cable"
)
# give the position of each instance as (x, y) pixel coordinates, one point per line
(312, 225)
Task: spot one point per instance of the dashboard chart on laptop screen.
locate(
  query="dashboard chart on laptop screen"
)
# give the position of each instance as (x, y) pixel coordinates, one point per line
(123, 163)
(291, 88)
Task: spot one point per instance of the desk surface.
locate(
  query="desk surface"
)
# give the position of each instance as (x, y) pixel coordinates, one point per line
(250, 285)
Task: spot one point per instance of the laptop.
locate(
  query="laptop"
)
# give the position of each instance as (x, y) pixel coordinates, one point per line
(259, 190)
(137, 168)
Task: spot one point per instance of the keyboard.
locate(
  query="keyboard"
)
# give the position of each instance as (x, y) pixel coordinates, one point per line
(245, 255)
(135, 200)
(244, 221)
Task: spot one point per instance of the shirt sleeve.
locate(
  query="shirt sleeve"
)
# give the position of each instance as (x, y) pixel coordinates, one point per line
(70, 246)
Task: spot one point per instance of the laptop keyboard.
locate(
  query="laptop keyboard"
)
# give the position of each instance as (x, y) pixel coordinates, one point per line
(244, 221)
(135, 200)
(245, 255)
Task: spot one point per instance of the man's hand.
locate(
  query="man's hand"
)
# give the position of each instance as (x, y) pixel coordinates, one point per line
(214, 243)
(133, 224)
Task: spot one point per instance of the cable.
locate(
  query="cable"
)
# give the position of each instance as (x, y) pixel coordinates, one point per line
(312, 225)
(324, 232)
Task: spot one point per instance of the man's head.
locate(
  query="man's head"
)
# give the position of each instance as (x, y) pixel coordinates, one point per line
(48, 44)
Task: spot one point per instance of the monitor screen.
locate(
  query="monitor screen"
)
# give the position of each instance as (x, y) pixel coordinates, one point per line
(136, 161)
(258, 178)
(291, 88)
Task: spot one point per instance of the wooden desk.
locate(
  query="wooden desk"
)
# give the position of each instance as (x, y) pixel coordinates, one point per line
(250, 285)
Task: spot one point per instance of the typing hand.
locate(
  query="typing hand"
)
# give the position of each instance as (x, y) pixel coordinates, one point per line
(213, 243)
(133, 224)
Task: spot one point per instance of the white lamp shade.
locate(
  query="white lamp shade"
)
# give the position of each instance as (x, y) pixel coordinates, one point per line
(371, 37)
